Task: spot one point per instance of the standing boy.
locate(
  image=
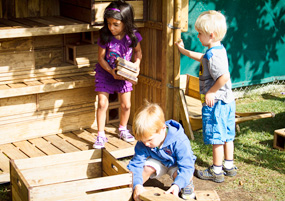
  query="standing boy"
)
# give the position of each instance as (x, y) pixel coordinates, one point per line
(162, 148)
(218, 112)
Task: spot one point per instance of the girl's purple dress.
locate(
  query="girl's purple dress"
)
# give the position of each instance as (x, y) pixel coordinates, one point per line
(104, 81)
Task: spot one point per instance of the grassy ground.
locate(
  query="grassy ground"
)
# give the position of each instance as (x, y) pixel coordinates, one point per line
(261, 169)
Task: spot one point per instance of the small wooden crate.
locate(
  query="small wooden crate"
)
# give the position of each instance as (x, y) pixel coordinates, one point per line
(279, 139)
(84, 175)
(92, 11)
(81, 53)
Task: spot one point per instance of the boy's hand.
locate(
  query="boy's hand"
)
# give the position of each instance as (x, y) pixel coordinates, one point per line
(139, 189)
(210, 99)
(180, 44)
(174, 189)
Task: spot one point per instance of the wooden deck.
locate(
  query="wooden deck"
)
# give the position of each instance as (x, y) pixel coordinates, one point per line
(61, 143)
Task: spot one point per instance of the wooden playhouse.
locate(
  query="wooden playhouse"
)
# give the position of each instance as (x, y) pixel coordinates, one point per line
(47, 57)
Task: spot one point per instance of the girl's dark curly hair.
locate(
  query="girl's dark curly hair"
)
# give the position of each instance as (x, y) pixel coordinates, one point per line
(126, 15)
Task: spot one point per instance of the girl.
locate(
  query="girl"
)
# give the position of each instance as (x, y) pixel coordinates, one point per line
(118, 38)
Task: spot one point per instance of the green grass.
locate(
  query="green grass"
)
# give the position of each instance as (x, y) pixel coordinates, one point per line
(261, 169)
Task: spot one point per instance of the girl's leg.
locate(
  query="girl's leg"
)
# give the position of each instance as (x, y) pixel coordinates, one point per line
(103, 103)
(125, 100)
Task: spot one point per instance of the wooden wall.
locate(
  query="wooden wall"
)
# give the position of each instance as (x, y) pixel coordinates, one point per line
(28, 8)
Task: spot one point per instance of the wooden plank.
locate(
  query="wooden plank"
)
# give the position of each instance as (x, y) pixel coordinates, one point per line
(45, 146)
(4, 163)
(57, 159)
(61, 144)
(111, 166)
(122, 194)
(67, 190)
(185, 116)
(62, 172)
(76, 141)
(21, 8)
(12, 152)
(28, 149)
(33, 8)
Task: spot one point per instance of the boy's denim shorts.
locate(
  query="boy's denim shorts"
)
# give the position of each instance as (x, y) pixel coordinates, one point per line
(219, 123)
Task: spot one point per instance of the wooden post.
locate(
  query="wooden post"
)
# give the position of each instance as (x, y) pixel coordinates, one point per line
(176, 55)
(167, 57)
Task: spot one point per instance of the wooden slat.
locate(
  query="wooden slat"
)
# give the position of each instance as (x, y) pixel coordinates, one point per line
(4, 164)
(76, 141)
(45, 146)
(12, 151)
(28, 149)
(61, 144)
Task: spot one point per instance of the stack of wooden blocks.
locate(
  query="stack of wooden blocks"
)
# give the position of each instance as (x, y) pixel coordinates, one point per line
(127, 69)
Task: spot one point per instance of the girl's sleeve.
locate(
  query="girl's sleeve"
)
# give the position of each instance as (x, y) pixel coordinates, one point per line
(138, 35)
(136, 165)
(100, 44)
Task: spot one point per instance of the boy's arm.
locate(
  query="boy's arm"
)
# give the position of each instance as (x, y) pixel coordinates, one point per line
(210, 95)
(191, 54)
(185, 163)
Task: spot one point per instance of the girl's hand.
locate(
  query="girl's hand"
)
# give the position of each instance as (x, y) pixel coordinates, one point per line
(115, 76)
(139, 189)
(210, 99)
(174, 189)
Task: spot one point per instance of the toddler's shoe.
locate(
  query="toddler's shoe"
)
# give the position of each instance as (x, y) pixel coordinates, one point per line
(230, 172)
(188, 192)
(100, 142)
(125, 135)
(209, 174)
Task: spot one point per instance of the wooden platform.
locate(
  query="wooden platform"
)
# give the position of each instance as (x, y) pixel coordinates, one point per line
(39, 26)
(61, 143)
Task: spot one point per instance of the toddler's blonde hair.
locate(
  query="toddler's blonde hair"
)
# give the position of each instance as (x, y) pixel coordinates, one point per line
(149, 119)
(212, 22)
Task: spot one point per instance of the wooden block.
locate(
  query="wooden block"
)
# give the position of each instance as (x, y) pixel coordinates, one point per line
(157, 194)
(81, 54)
(208, 195)
(192, 87)
(279, 139)
(35, 178)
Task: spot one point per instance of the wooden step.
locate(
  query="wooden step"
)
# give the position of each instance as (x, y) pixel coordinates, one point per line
(67, 142)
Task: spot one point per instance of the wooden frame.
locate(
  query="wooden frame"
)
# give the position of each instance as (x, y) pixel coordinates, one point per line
(71, 176)
(279, 139)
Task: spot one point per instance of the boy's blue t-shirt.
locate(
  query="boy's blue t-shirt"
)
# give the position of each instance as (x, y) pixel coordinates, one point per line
(214, 64)
(175, 151)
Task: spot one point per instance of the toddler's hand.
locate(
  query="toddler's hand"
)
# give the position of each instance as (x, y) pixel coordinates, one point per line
(174, 189)
(139, 189)
(180, 43)
(210, 99)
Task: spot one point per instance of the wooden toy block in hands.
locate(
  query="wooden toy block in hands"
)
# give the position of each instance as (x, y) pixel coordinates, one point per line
(127, 69)
(157, 194)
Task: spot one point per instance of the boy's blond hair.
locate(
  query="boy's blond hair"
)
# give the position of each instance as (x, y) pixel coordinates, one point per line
(212, 22)
(149, 119)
